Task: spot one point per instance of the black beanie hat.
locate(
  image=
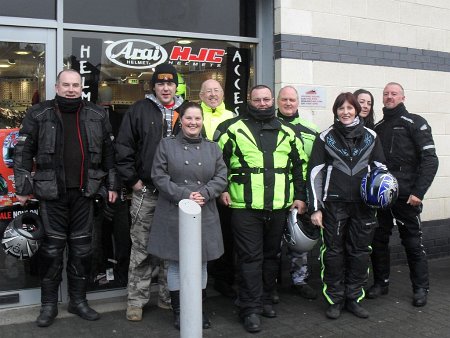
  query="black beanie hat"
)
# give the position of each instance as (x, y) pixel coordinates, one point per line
(165, 73)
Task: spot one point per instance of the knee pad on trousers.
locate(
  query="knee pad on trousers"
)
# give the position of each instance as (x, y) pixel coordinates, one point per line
(413, 246)
(80, 257)
(51, 259)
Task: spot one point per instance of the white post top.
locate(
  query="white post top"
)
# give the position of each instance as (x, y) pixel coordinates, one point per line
(189, 207)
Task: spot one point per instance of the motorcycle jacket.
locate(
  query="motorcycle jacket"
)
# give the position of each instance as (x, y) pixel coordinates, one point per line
(409, 149)
(41, 138)
(307, 132)
(264, 160)
(340, 158)
(143, 126)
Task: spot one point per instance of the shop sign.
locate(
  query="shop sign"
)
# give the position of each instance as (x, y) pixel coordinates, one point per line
(237, 77)
(87, 59)
(205, 55)
(312, 97)
(136, 53)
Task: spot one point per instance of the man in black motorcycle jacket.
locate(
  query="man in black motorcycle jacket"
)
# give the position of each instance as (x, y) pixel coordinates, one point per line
(411, 157)
(70, 142)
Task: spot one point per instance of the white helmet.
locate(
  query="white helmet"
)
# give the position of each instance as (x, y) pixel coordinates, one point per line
(23, 235)
(300, 234)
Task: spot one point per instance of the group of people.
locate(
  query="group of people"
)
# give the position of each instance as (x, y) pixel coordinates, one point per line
(246, 172)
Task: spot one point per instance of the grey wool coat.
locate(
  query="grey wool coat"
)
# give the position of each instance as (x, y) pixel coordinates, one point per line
(181, 166)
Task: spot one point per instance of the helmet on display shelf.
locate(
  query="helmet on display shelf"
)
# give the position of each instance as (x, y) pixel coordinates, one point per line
(300, 234)
(379, 188)
(23, 235)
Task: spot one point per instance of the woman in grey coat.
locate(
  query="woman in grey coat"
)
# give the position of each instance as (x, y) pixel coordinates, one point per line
(186, 166)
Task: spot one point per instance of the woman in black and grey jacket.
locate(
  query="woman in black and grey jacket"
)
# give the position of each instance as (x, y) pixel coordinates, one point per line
(340, 158)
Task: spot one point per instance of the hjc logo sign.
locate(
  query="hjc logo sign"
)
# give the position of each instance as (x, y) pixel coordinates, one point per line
(207, 55)
(136, 53)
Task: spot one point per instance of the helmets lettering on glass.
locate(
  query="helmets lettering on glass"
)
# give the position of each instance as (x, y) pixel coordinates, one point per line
(23, 235)
(379, 188)
(300, 234)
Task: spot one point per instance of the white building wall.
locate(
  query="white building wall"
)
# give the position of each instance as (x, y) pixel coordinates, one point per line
(420, 24)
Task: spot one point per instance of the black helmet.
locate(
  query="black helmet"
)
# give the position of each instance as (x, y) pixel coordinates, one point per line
(300, 234)
(23, 235)
(379, 188)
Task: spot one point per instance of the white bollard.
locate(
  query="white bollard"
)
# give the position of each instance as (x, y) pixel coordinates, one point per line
(190, 231)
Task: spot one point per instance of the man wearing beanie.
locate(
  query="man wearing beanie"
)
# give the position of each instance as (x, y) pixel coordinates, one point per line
(263, 156)
(71, 142)
(145, 123)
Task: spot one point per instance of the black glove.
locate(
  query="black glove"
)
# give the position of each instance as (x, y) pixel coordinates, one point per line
(108, 211)
(101, 204)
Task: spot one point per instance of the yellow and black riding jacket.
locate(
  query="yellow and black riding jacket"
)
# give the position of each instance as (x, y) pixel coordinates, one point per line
(264, 160)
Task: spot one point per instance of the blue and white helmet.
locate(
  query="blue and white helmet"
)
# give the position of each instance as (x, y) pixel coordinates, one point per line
(379, 188)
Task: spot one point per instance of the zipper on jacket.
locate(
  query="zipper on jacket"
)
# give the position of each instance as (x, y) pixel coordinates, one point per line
(81, 146)
(351, 176)
(392, 144)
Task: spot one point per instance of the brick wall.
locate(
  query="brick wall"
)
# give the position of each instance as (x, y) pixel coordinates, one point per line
(343, 51)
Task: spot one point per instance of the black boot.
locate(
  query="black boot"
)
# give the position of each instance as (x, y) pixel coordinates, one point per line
(78, 272)
(47, 315)
(206, 323)
(50, 264)
(49, 299)
(78, 304)
(175, 302)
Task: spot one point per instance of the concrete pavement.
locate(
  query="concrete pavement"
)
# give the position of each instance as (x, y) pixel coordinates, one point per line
(390, 316)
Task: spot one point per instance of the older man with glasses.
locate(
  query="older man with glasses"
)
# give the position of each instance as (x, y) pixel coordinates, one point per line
(214, 112)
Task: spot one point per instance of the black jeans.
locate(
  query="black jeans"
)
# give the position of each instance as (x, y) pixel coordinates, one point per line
(257, 237)
(407, 219)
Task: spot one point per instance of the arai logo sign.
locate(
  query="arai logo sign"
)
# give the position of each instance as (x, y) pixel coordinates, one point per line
(136, 53)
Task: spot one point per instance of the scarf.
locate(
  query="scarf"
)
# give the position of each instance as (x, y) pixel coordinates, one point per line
(261, 114)
(68, 105)
(287, 118)
(396, 111)
(352, 130)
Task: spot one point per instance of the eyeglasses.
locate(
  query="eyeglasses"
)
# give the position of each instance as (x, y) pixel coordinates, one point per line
(263, 100)
(211, 91)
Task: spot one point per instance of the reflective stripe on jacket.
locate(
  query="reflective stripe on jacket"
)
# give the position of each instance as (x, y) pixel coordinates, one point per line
(264, 163)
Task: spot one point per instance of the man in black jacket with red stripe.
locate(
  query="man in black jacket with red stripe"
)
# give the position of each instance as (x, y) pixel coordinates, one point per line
(71, 143)
(411, 157)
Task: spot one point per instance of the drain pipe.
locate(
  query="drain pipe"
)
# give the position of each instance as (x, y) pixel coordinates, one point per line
(190, 241)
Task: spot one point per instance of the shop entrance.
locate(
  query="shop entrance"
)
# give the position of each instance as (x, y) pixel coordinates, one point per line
(27, 59)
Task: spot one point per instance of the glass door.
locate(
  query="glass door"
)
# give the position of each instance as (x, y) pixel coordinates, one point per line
(27, 60)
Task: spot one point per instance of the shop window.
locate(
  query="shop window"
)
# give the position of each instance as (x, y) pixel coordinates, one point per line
(22, 80)
(116, 71)
(22, 83)
(117, 68)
